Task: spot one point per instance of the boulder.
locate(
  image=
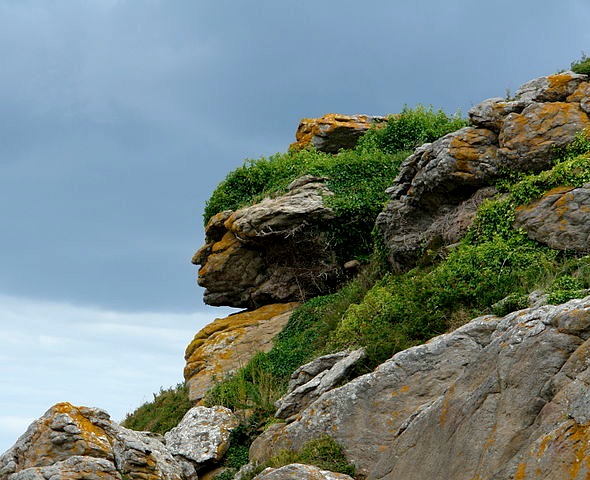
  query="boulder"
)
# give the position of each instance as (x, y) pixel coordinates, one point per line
(500, 397)
(437, 193)
(327, 373)
(439, 187)
(333, 132)
(299, 471)
(528, 139)
(559, 219)
(203, 434)
(227, 344)
(552, 88)
(71, 442)
(275, 251)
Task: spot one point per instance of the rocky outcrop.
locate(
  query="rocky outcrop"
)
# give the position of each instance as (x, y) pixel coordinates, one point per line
(71, 442)
(559, 219)
(333, 132)
(439, 187)
(301, 472)
(276, 251)
(310, 381)
(501, 397)
(227, 344)
(80, 443)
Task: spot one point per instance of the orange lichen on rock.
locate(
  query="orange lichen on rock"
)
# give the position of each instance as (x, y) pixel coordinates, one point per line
(228, 343)
(333, 131)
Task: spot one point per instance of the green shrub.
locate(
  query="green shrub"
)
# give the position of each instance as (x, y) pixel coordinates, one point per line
(163, 413)
(582, 65)
(323, 452)
(411, 128)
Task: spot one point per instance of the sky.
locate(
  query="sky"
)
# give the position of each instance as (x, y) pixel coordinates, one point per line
(119, 117)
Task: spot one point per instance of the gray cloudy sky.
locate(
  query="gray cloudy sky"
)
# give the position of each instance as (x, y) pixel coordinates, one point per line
(119, 117)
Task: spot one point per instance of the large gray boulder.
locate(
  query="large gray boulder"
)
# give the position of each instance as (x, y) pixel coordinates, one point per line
(501, 397)
(559, 219)
(437, 192)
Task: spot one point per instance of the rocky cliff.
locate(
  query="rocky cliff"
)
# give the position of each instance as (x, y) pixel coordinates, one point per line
(503, 396)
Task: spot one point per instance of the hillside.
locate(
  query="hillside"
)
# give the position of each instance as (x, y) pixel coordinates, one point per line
(415, 294)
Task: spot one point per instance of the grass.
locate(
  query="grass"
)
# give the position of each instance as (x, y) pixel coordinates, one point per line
(161, 414)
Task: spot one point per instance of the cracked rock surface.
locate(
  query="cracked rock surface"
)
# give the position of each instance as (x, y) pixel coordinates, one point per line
(500, 397)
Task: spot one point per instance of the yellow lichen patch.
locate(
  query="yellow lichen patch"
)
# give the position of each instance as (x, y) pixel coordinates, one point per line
(520, 472)
(403, 389)
(578, 439)
(558, 84)
(469, 147)
(444, 410)
(582, 92)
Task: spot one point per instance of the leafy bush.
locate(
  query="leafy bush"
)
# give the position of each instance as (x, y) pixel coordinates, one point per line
(582, 65)
(163, 413)
(411, 128)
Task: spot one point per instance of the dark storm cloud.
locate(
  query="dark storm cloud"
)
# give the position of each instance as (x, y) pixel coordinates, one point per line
(119, 118)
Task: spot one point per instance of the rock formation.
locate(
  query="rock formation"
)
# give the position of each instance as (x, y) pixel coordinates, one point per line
(72, 443)
(229, 343)
(333, 132)
(254, 256)
(498, 398)
(439, 187)
(559, 219)
(310, 381)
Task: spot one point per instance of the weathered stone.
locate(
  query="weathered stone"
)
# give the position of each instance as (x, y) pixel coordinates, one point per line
(273, 252)
(83, 443)
(227, 344)
(307, 372)
(581, 96)
(528, 139)
(299, 471)
(300, 395)
(437, 192)
(203, 434)
(498, 398)
(333, 132)
(560, 219)
(490, 113)
(553, 88)
(281, 216)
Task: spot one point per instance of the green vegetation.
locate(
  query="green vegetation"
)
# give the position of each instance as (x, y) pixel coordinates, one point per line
(323, 452)
(163, 413)
(492, 270)
(582, 65)
(411, 128)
